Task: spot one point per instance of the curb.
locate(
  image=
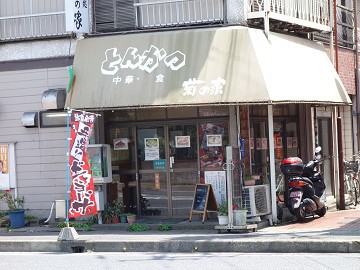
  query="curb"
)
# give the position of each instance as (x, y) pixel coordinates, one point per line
(243, 246)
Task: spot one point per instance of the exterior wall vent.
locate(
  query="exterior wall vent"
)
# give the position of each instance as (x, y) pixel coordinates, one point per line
(30, 119)
(53, 99)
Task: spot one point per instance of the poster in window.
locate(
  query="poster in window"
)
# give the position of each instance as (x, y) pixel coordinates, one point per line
(264, 144)
(214, 140)
(182, 141)
(295, 142)
(251, 143)
(289, 142)
(258, 143)
(121, 144)
(151, 143)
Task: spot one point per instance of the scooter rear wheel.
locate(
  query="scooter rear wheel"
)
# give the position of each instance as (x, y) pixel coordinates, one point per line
(300, 213)
(321, 212)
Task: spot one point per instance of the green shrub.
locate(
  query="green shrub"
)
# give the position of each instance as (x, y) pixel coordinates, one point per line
(138, 228)
(82, 225)
(164, 227)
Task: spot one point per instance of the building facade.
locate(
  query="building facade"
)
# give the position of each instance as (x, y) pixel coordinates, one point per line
(175, 84)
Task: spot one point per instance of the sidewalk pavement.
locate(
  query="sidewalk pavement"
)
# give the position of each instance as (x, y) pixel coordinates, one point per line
(336, 232)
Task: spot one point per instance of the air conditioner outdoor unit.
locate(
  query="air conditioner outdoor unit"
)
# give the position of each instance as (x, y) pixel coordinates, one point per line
(257, 200)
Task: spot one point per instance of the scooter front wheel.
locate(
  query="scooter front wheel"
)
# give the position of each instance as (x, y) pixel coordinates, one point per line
(300, 213)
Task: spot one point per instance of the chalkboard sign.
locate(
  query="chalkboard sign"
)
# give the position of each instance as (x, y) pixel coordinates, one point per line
(204, 200)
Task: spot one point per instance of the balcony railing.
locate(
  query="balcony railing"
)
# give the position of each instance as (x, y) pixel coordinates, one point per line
(178, 12)
(27, 19)
(305, 13)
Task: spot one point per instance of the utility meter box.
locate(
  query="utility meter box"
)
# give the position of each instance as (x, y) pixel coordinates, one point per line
(99, 156)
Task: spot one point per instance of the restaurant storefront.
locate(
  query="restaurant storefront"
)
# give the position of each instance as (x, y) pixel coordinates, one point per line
(172, 101)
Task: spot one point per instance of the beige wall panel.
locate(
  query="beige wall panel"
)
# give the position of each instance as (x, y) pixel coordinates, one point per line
(40, 152)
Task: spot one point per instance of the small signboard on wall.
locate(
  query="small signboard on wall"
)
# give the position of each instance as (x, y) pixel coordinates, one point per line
(4, 167)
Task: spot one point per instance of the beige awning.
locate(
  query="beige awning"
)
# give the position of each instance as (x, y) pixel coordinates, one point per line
(228, 65)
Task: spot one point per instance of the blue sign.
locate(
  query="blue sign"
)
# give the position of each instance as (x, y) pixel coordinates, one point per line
(160, 164)
(242, 147)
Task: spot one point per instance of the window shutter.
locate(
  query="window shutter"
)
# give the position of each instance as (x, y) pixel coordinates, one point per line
(113, 15)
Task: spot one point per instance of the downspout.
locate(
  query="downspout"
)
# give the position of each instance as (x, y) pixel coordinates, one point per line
(357, 91)
(341, 205)
(266, 18)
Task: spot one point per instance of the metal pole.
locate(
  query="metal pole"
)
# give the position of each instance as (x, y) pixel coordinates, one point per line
(339, 124)
(272, 163)
(229, 182)
(241, 168)
(67, 164)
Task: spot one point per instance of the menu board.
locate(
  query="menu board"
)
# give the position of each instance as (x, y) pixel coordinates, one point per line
(204, 200)
(217, 179)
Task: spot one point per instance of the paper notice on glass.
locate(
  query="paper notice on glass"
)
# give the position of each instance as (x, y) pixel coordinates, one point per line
(289, 142)
(264, 144)
(151, 154)
(217, 179)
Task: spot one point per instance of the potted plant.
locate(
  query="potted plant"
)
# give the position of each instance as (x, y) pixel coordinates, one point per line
(16, 212)
(131, 218)
(239, 212)
(117, 209)
(223, 213)
(107, 214)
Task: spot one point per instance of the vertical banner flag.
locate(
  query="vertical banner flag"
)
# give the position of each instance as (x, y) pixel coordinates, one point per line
(82, 197)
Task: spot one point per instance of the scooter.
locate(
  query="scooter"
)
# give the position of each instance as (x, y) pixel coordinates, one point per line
(306, 186)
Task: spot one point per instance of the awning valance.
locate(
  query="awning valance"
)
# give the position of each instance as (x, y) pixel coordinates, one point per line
(228, 65)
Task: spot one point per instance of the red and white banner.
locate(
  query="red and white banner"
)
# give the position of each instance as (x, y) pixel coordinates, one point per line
(82, 197)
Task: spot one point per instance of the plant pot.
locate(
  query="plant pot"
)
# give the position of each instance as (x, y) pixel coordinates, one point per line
(115, 220)
(123, 218)
(17, 218)
(240, 217)
(107, 221)
(223, 220)
(131, 219)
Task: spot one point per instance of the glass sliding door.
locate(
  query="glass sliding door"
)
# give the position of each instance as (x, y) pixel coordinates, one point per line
(183, 164)
(153, 184)
(123, 161)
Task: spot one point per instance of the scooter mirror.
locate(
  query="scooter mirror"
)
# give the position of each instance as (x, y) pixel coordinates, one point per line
(318, 150)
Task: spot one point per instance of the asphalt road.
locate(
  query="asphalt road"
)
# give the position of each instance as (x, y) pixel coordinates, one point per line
(189, 261)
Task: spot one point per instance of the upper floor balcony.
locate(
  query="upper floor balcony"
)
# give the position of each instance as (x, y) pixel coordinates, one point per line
(34, 19)
(31, 19)
(289, 15)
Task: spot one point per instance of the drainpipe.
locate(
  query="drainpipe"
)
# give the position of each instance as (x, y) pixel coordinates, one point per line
(357, 91)
(266, 18)
(341, 204)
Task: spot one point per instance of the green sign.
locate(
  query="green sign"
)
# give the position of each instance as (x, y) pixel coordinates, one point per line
(160, 164)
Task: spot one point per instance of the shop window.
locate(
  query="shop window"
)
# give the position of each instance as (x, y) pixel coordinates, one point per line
(151, 114)
(180, 112)
(125, 115)
(214, 111)
(278, 110)
(213, 139)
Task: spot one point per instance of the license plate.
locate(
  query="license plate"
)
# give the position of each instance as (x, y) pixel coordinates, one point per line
(295, 194)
